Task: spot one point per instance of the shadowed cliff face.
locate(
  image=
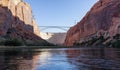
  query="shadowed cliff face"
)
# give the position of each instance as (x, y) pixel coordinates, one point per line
(103, 18)
(12, 27)
(5, 20)
(16, 22)
(23, 11)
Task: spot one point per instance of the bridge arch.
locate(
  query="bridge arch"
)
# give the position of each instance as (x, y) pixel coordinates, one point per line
(64, 28)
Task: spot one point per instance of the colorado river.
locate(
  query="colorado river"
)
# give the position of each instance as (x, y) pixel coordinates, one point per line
(61, 59)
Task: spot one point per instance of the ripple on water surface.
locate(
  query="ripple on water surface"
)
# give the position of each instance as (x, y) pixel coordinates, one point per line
(61, 59)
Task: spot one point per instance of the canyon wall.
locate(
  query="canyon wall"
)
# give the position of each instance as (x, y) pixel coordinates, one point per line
(103, 19)
(16, 21)
(55, 38)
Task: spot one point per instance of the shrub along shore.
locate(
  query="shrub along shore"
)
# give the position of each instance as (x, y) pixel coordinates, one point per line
(12, 43)
(101, 42)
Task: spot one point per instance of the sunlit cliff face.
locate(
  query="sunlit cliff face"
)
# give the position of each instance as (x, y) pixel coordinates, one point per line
(6, 2)
(19, 9)
(16, 1)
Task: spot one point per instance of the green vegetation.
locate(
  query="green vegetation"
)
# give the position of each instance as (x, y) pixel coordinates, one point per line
(11, 42)
(7, 41)
(37, 43)
(115, 42)
(93, 41)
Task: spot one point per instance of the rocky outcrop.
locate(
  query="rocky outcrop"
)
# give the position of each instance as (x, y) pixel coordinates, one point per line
(16, 21)
(102, 19)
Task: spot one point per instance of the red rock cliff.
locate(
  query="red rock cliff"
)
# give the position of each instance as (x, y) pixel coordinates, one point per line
(104, 17)
(16, 21)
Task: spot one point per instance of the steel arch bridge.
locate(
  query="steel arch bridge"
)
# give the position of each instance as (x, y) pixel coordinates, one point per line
(65, 28)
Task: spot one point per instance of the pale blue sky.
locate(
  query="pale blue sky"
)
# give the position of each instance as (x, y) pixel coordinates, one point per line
(59, 12)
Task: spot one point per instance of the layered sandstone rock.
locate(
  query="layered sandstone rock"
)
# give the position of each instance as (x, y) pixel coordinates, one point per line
(36, 27)
(21, 11)
(24, 13)
(103, 18)
(16, 21)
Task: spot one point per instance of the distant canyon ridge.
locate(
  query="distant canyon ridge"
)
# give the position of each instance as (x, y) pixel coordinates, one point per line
(100, 25)
(55, 38)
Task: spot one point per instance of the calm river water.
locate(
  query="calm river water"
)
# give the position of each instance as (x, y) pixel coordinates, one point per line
(61, 59)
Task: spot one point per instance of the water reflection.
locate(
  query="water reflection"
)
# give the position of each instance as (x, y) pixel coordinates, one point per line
(61, 59)
(95, 59)
(14, 60)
